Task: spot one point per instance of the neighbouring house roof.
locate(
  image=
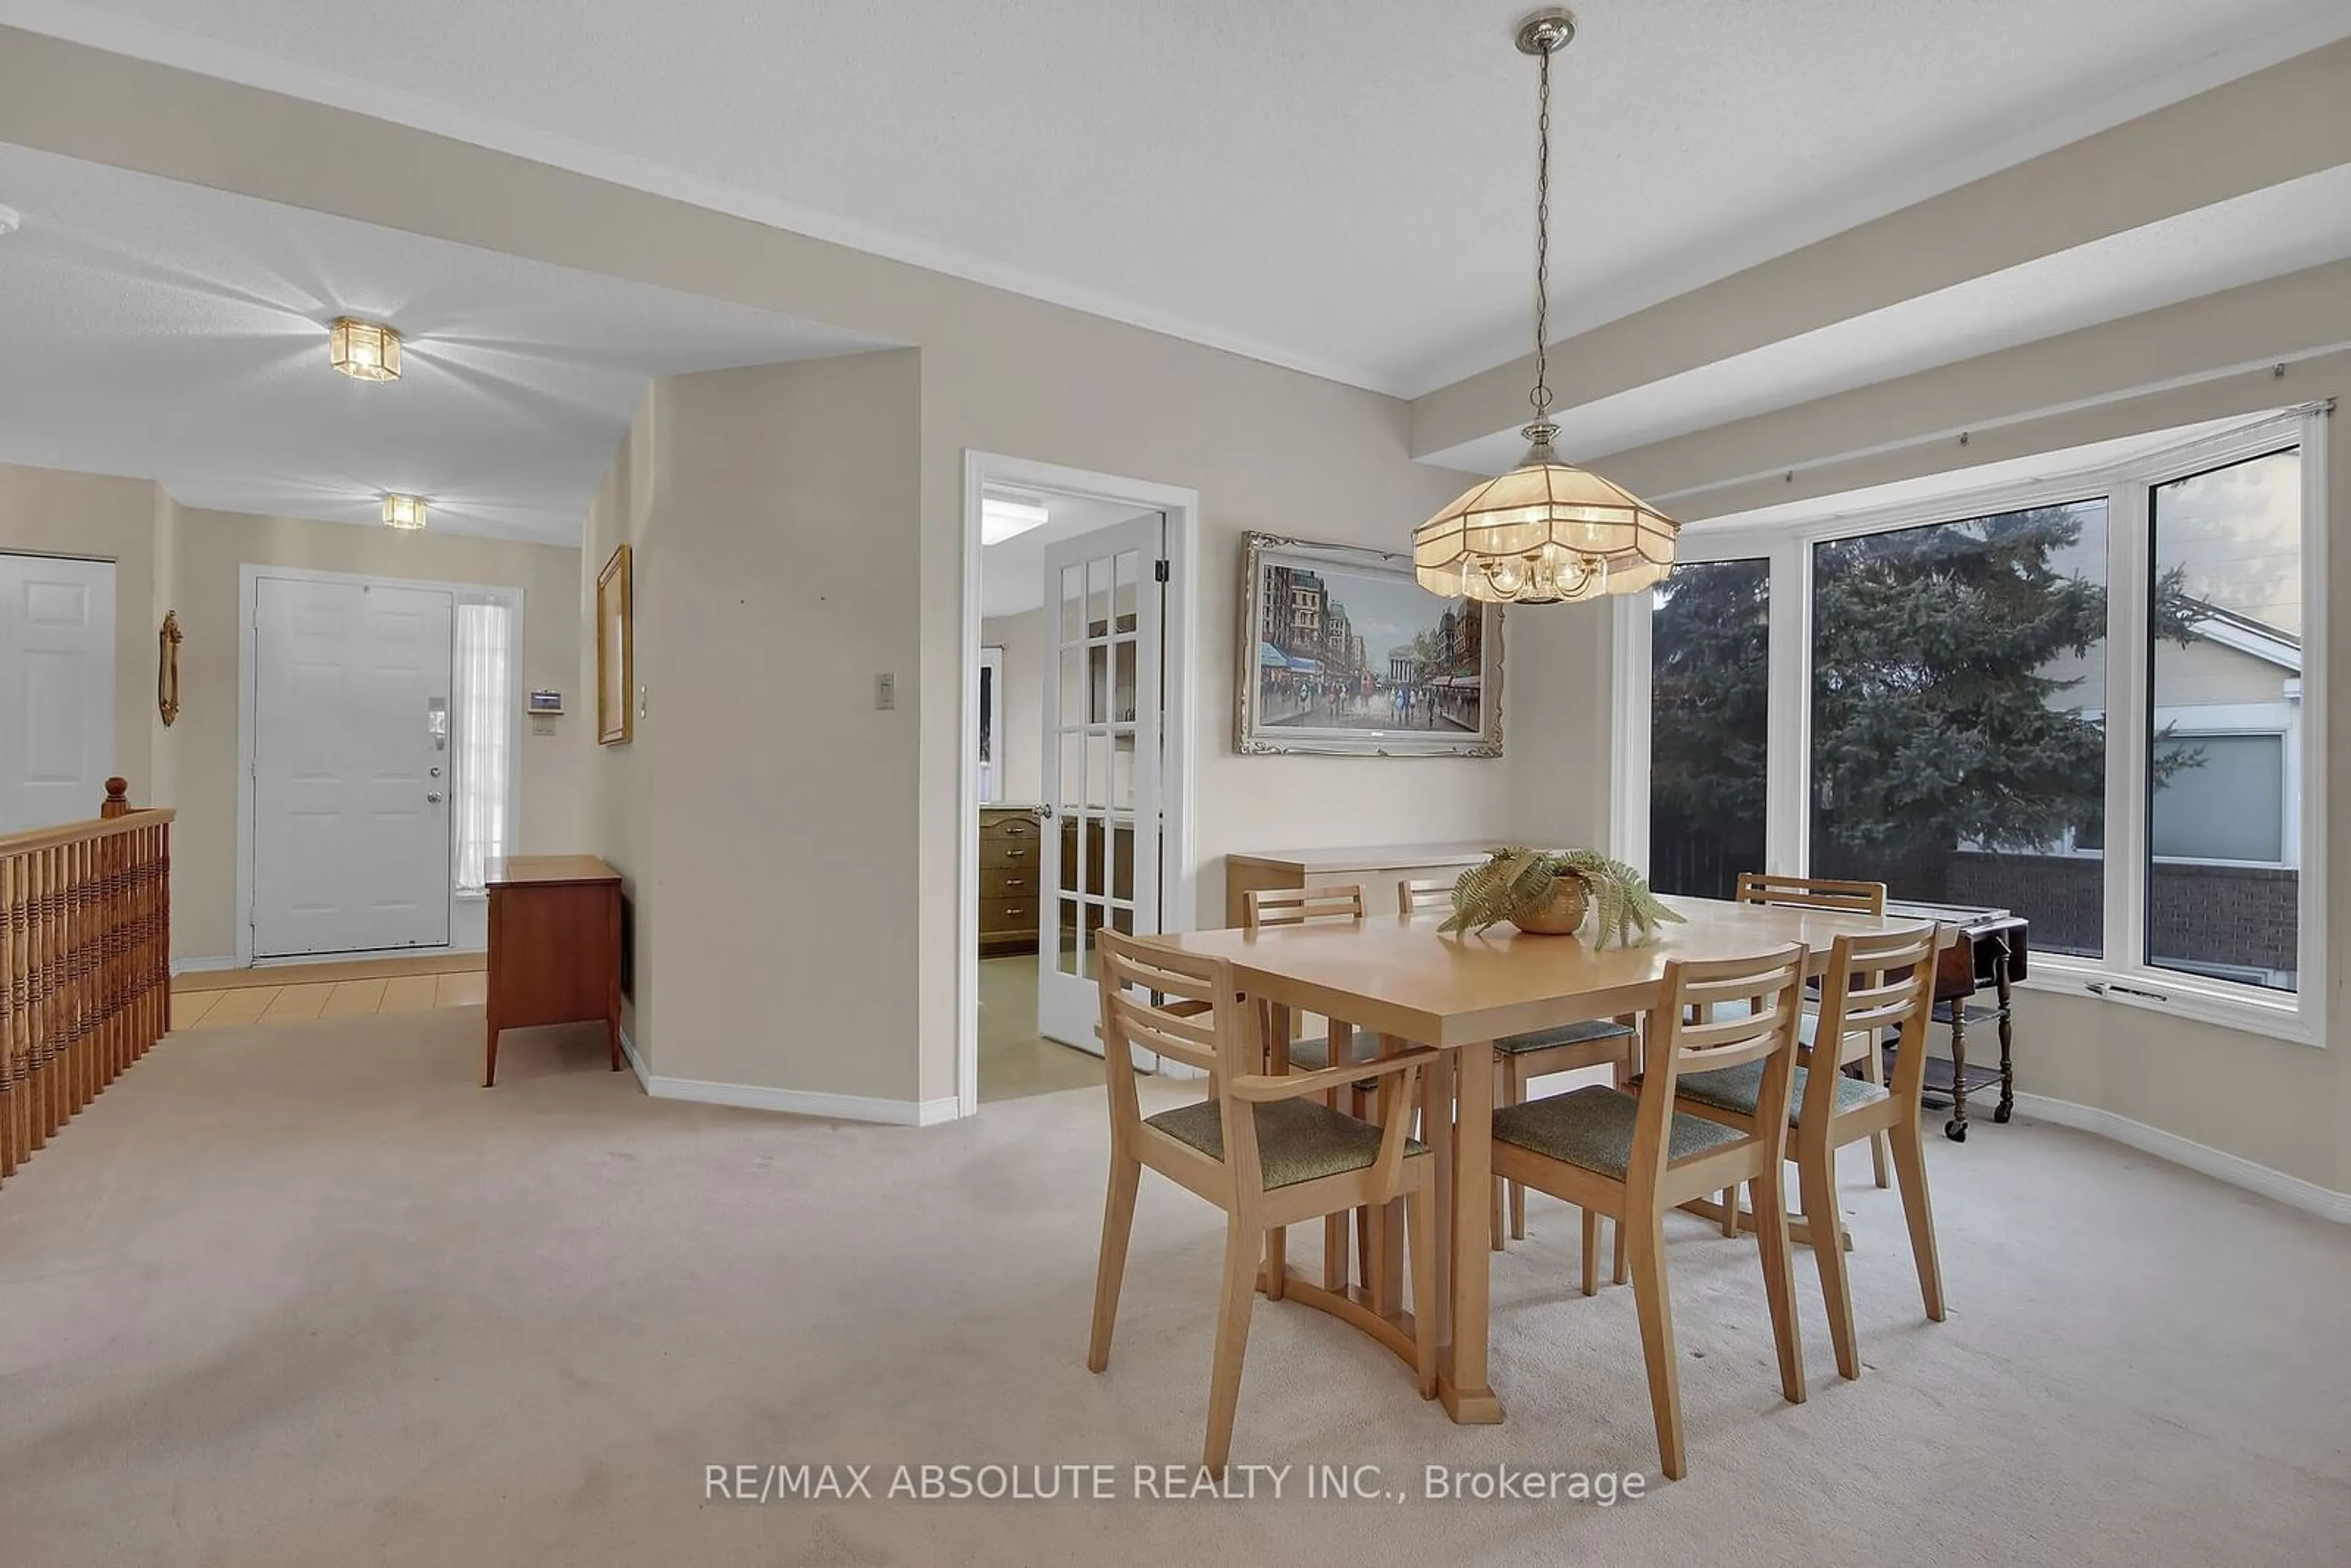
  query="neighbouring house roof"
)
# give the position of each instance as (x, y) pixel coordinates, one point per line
(2246, 635)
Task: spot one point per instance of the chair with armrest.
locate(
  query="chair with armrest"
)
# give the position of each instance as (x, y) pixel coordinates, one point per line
(1261, 1147)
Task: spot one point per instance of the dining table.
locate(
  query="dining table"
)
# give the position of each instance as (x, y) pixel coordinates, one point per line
(1398, 980)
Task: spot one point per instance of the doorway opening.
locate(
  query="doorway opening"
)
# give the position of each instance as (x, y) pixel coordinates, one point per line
(1076, 771)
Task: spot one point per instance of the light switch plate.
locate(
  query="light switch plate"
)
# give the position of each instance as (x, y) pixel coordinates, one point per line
(885, 691)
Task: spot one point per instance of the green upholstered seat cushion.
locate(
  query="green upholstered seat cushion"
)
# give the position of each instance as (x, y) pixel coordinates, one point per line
(1593, 1128)
(1570, 1034)
(1297, 1140)
(1313, 1055)
(1737, 1089)
(1309, 1055)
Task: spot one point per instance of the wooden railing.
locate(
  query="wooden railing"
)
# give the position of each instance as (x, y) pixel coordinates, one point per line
(85, 963)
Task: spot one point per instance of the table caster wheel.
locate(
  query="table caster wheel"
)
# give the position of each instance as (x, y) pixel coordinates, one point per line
(2004, 1113)
(1955, 1130)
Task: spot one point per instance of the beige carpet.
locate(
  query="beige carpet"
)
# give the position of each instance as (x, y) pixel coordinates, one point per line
(304, 1294)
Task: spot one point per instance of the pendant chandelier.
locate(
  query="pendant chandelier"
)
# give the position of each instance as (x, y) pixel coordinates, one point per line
(1545, 532)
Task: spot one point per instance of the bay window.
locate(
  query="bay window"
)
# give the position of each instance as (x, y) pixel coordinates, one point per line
(2085, 697)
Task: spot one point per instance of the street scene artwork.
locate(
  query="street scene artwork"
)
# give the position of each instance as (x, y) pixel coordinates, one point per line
(1342, 652)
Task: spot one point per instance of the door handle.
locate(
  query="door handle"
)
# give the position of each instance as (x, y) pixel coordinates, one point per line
(433, 797)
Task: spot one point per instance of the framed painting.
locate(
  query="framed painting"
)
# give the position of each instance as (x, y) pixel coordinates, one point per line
(1344, 652)
(991, 725)
(616, 652)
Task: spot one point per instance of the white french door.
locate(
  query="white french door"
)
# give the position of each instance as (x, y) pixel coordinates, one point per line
(56, 689)
(351, 766)
(1102, 732)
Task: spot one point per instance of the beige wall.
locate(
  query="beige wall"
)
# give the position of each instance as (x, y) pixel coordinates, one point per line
(44, 511)
(1558, 711)
(167, 556)
(616, 797)
(1020, 721)
(770, 593)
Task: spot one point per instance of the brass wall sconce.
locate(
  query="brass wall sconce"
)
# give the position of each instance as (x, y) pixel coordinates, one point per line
(167, 668)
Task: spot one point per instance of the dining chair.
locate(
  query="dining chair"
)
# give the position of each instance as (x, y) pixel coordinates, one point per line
(1519, 1059)
(1272, 906)
(1845, 896)
(1634, 1156)
(1264, 908)
(1811, 891)
(1874, 984)
(1261, 1147)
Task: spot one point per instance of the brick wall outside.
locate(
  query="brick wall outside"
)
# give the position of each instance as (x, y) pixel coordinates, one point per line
(2235, 916)
(2232, 916)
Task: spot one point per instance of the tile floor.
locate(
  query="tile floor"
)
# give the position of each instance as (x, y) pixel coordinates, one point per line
(262, 1003)
(1014, 1059)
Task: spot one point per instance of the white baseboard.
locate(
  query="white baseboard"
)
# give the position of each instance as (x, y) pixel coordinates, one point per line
(2218, 1164)
(200, 966)
(793, 1102)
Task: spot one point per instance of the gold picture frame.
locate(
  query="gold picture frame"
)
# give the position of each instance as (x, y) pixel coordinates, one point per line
(616, 653)
(1343, 654)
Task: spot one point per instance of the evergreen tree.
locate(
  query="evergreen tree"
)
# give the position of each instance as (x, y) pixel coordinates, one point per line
(1938, 717)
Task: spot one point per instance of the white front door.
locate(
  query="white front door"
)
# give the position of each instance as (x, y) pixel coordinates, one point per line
(351, 767)
(56, 689)
(1103, 721)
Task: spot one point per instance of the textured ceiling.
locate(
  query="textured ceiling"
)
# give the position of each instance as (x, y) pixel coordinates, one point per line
(1343, 186)
(178, 334)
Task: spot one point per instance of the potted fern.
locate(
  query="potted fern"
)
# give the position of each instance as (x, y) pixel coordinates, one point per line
(1551, 892)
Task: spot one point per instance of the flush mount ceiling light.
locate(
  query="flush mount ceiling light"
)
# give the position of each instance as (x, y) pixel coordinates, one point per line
(1546, 532)
(365, 350)
(7, 221)
(403, 511)
(1001, 517)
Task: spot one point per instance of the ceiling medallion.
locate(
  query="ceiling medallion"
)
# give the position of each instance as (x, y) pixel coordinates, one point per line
(1545, 532)
(404, 512)
(365, 350)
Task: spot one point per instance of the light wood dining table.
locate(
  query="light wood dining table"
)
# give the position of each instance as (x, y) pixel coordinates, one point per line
(1399, 979)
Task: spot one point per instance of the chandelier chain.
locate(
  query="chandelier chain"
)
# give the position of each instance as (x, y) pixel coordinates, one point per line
(1541, 396)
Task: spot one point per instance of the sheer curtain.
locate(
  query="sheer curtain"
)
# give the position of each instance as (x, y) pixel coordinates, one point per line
(485, 756)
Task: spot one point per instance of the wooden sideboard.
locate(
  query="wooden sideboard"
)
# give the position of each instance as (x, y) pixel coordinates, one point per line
(1376, 868)
(1012, 846)
(555, 947)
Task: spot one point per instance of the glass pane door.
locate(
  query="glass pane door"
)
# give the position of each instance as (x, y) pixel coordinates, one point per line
(1101, 765)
